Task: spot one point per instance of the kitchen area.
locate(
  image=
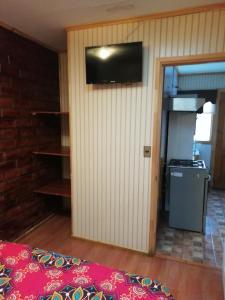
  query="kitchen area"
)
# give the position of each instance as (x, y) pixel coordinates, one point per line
(190, 206)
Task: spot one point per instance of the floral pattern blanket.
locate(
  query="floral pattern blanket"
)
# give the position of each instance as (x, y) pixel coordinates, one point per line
(28, 274)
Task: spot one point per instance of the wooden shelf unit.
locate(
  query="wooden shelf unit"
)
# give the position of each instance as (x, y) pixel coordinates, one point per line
(60, 151)
(57, 188)
(60, 187)
(55, 113)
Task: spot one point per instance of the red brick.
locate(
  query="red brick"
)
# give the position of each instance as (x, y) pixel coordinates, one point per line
(7, 165)
(6, 102)
(11, 154)
(11, 173)
(9, 112)
(24, 122)
(5, 186)
(8, 133)
(7, 144)
(9, 70)
(4, 123)
(24, 132)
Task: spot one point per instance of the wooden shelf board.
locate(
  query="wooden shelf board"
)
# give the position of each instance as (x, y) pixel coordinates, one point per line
(61, 151)
(56, 188)
(34, 113)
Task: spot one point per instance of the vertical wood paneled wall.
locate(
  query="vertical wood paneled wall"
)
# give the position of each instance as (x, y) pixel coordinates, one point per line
(110, 124)
(201, 82)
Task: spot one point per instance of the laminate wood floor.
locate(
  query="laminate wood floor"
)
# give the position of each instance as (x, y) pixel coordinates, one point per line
(186, 281)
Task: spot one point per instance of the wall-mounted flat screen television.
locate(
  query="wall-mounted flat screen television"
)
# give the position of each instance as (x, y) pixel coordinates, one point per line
(119, 63)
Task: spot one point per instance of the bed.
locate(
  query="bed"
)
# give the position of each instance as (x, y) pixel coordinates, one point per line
(29, 273)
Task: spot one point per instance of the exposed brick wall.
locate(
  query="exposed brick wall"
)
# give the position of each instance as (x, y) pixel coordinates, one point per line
(28, 82)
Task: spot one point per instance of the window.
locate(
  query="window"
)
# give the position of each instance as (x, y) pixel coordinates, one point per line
(203, 128)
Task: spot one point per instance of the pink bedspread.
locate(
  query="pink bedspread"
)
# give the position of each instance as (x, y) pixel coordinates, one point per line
(29, 274)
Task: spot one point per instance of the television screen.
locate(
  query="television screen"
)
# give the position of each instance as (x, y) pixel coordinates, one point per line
(120, 63)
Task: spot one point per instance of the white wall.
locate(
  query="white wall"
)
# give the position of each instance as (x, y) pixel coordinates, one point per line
(181, 135)
(201, 82)
(110, 125)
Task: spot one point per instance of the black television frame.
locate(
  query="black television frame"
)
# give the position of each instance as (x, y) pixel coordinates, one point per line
(139, 78)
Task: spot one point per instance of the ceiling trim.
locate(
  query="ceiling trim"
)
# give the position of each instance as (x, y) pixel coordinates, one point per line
(27, 36)
(175, 13)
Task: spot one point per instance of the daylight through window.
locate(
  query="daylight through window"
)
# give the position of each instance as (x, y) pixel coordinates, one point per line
(203, 127)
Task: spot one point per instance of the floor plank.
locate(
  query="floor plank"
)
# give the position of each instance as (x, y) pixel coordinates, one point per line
(185, 281)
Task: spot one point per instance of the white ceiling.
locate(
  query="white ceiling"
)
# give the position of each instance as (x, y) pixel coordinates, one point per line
(45, 20)
(202, 68)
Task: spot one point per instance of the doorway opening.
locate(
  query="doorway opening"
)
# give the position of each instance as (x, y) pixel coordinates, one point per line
(188, 124)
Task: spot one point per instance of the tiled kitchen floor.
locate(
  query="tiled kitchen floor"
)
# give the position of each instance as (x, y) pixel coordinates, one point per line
(194, 246)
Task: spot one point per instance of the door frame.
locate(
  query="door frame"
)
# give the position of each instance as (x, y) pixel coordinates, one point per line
(160, 64)
(215, 129)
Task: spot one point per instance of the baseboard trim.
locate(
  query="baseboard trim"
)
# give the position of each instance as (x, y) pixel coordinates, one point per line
(33, 228)
(109, 245)
(188, 262)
